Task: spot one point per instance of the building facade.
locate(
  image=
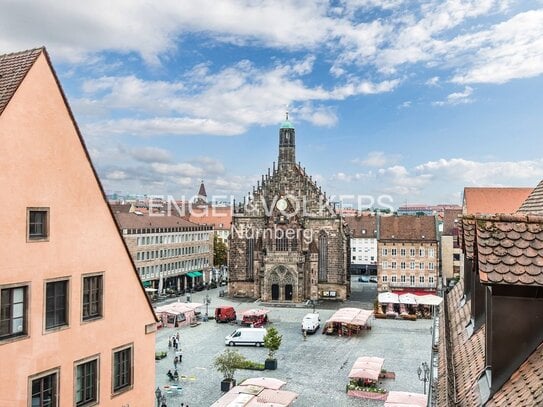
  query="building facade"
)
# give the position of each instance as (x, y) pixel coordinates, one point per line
(450, 249)
(76, 327)
(408, 254)
(169, 251)
(288, 243)
(363, 242)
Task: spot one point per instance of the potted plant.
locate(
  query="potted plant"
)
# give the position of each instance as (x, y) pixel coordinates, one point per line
(227, 363)
(272, 341)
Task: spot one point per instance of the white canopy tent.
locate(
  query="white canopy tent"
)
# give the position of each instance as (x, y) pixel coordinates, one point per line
(367, 367)
(429, 299)
(410, 299)
(388, 298)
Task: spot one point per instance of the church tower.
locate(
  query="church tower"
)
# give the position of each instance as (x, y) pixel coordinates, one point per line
(287, 144)
(288, 243)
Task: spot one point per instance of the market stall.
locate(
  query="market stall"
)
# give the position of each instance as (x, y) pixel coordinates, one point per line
(258, 392)
(364, 378)
(406, 305)
(177, 314)
(405, 399)
(255, 318)
(348, 321)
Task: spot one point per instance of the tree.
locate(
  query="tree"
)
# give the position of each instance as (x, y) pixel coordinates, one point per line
(272, 341)
(228, 362)
(220, 252)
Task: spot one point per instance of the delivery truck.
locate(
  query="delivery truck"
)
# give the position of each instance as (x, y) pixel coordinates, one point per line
(246, 336)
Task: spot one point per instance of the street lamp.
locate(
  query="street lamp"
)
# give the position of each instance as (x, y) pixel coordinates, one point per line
(423, 372)
(158, 395)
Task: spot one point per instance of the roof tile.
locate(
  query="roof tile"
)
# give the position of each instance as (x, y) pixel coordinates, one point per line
(488, 201)
(13, 69)
(509, 247)
(534, 202)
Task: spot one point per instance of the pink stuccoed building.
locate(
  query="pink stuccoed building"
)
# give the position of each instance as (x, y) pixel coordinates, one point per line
(76, 327)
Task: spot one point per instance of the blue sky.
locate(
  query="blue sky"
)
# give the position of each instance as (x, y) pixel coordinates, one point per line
(409, 99)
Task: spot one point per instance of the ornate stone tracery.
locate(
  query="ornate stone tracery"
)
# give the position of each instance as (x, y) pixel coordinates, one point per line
(308, 263)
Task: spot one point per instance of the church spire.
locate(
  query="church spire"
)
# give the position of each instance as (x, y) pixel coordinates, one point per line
(201, 198)
(287, 143)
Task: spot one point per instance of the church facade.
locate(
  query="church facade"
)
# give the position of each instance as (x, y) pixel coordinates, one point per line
(288, 243)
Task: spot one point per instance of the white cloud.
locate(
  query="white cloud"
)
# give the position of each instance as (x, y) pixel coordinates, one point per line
(441, 33)
(150, 155)
(162, 126)
(377, 159)
(223, 103)
(181, 169)
(509, 50)
(457, 98)
(433, 81)
(483, 173)
(116, 175)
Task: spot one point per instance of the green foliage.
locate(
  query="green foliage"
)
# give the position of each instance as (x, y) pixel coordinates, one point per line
(250, 365)
(220, 252)
(160, 355)
(272, 341)
(228, 362)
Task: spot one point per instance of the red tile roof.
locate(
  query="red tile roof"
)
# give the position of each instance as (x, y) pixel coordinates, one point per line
(467, 236)
(534, 203)
(489, 201)
(407, 228)
(362, 226)
(450, 221)
(525, 387)
(218, 217)
(144, 221)
(13, 69)
(510, 249)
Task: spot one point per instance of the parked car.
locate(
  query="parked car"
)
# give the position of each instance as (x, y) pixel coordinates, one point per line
(225, 314)
(246, 336)
(364, 279)
(311, 323)
(373, 279)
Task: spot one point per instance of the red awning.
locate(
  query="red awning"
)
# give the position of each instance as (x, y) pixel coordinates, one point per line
(416, 292)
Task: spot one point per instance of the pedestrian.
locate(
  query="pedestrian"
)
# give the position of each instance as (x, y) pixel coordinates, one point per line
(177, 336)
(169, 343)
(304, 333)
(176, 345)
(175, 362)
(174, 342)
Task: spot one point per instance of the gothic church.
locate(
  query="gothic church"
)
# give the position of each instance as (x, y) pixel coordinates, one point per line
(288, 243)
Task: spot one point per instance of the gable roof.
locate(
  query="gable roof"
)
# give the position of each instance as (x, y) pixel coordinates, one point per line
(534, 202)
(13, 69)
(408, 228)
(485, 200)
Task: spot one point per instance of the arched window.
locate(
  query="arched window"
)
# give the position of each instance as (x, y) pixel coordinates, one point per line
(250, 256)
(323, 256)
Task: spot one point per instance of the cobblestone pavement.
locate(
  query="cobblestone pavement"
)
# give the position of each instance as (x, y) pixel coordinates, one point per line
(317, 368)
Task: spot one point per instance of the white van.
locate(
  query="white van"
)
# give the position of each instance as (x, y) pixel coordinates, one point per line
(246, 336)
(311, 323)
